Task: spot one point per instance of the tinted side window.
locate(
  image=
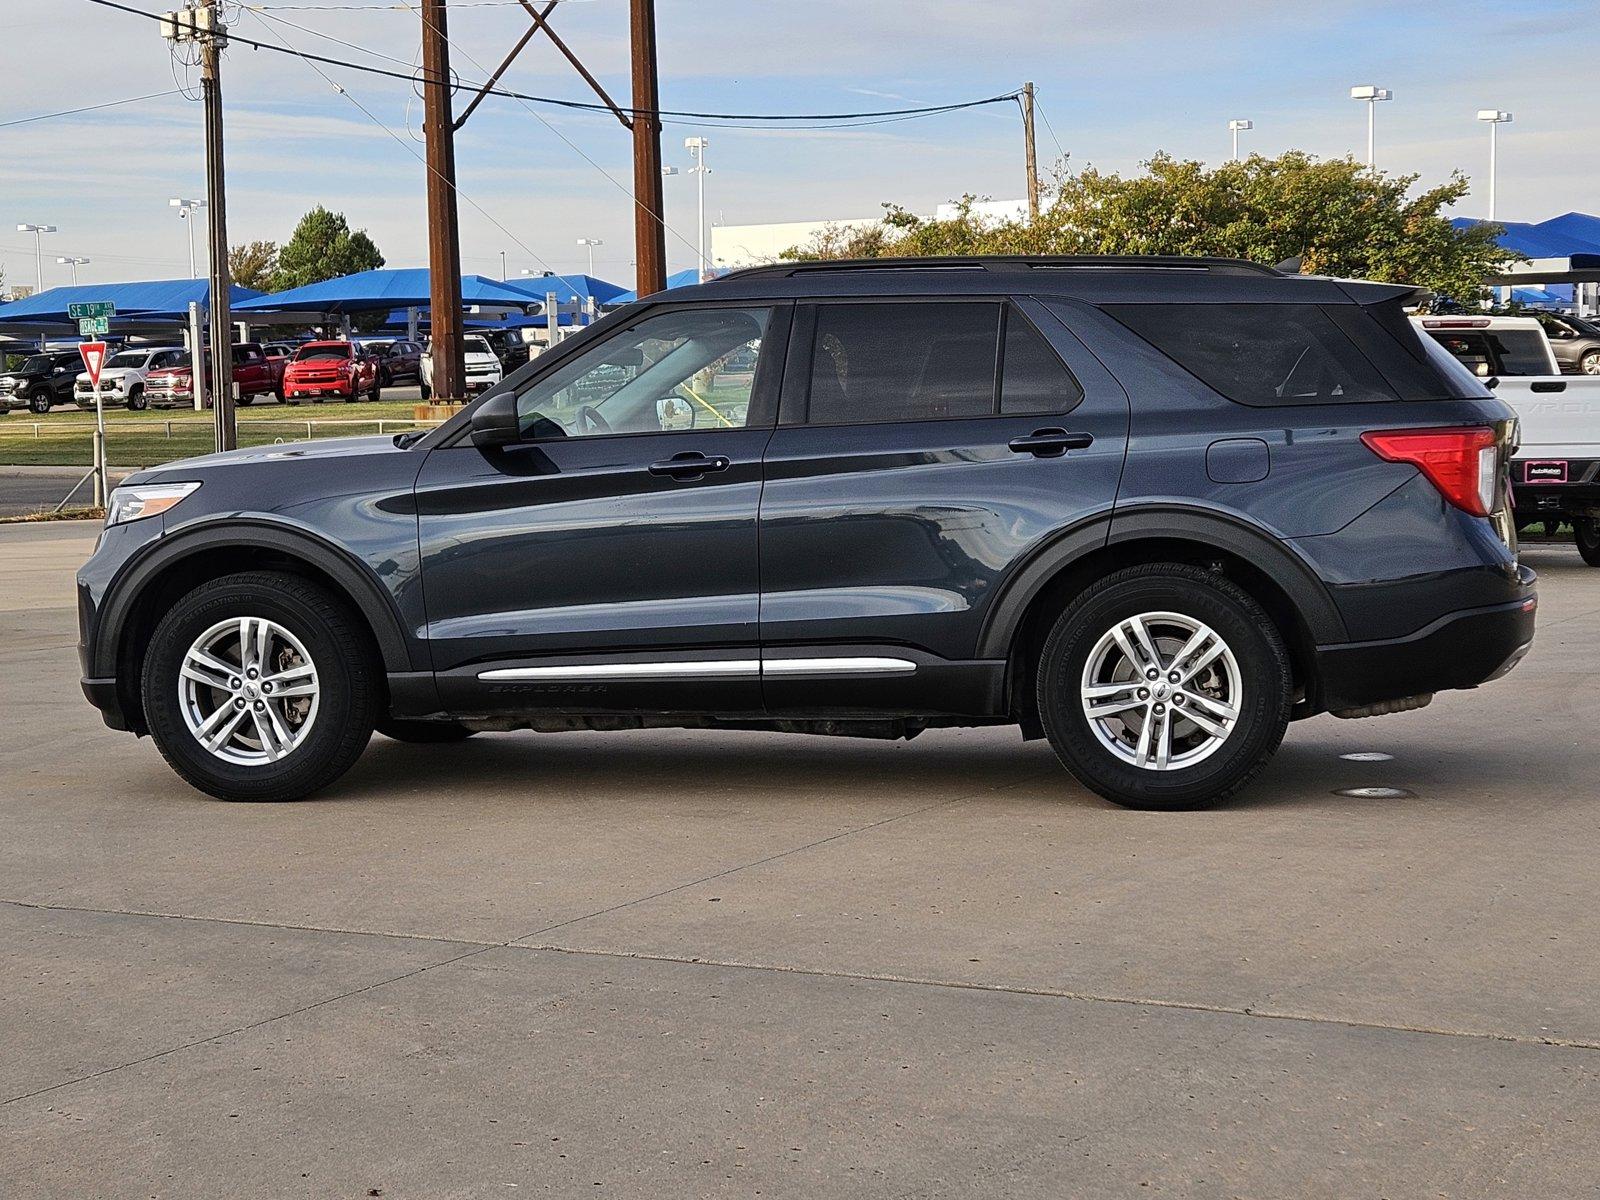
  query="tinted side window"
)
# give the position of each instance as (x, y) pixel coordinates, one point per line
(1260, 354)
(903, 362)
(1032, 378)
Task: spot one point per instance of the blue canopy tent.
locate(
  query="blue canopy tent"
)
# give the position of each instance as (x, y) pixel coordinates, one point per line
(151, 305)
(568, 288)
(1565, 254)
(380, 291)
(1539, 297)
(678, 279)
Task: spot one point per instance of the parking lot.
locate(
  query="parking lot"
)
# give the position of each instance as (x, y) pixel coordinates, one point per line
(688, 964)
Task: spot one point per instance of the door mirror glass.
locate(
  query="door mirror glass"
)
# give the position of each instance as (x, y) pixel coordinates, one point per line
(689, 369)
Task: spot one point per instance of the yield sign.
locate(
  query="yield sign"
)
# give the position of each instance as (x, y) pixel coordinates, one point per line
(94, 357)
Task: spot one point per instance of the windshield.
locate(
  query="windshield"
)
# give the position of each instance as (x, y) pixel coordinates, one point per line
(475, 344)
(38, 362)
(312, 353)
(128, 358)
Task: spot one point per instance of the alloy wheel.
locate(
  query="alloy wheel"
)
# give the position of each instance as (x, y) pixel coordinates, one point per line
(248, 691)
(1161, 691)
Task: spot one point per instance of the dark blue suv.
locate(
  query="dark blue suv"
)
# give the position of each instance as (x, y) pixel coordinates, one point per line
(1152, 509)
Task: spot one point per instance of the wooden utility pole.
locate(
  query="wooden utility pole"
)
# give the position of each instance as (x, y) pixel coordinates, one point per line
(649, 230)
(1028, 153)
(444, 245)
(227, 431)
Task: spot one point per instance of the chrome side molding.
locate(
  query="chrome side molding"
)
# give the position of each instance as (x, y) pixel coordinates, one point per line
(738, 668)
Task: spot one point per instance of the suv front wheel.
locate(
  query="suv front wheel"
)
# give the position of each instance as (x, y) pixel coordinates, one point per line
(260, 686)
(1164, 686)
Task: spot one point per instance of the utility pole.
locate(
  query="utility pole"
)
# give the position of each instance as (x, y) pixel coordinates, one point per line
(444, 244)
(649, 234)
(1028, 152)
(212, 38)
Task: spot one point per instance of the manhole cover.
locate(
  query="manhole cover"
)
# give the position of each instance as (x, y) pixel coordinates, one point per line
(1375, 793)
(1368, 756)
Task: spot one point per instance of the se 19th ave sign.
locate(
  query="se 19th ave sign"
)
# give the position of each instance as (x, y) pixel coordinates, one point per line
(93, 317)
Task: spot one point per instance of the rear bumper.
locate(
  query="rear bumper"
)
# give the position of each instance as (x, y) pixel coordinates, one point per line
(1565, 486)
(1459, 650)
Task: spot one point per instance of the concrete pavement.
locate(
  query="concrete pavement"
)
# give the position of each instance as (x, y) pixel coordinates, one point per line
(687, 964)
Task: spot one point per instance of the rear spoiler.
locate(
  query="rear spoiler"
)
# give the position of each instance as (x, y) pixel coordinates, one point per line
(1366, 293)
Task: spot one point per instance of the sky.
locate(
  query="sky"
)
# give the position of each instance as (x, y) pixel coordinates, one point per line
(1117, 81)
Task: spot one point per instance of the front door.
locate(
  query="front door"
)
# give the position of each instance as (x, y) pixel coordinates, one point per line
(925, 448)
(607, 561)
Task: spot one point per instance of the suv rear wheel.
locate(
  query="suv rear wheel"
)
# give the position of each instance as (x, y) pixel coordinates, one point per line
(1164, 686)
(260, 686)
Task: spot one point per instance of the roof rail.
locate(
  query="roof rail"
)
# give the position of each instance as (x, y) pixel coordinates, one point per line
(1001, 262)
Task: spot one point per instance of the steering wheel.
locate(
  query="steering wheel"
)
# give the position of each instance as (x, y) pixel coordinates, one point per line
(590, 421)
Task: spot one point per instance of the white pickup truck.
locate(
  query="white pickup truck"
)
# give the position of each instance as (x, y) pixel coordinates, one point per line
(1556, 473)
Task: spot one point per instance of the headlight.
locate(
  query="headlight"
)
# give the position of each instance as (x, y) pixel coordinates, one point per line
(133, 503)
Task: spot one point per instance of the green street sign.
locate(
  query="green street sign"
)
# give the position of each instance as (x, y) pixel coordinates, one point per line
(94, 308)
(93, 326)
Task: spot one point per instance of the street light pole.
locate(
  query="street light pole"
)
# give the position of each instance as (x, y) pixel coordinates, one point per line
(1373, 97)
(75, 263)
(696, 146)
(38, 232)
(1234, 127)
(591, 243)
(1494, 118)
(186, 213)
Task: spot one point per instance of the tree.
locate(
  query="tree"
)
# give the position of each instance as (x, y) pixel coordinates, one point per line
(323, 247)
(254, 265)
(1337, 216)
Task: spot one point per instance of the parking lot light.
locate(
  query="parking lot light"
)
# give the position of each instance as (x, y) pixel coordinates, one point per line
(1234, 127)
(591, 243)
(38, 232)
(1494, 118)
(75, 263)
(186, 213)
(1373, 96)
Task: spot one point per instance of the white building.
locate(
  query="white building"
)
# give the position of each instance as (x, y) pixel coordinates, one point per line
(752, 245)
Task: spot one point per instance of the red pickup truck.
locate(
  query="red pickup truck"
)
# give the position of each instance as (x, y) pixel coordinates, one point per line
(254, 374)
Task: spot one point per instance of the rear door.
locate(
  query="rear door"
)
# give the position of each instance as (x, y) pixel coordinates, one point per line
(925, 448)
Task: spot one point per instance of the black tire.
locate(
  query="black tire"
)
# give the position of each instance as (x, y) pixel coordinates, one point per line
(1589, 364)
(245, 399)
(1586, 532)
(136, 399)
(1199, 595)
(376, 393)
(278, 395)
(39, 403)
(427, 392)
(338, 645)
(423, 732)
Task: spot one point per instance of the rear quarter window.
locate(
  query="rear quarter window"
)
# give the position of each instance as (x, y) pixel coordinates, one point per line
(1263, 355)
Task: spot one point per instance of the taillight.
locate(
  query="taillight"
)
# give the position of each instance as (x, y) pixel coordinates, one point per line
(1463, 464)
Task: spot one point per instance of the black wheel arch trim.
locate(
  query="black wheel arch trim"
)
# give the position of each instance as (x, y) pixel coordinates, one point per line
(1205, 527)
(349, 573)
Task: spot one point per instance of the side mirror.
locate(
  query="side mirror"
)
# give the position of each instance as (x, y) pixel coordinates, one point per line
(494, 422)
(1492, 382)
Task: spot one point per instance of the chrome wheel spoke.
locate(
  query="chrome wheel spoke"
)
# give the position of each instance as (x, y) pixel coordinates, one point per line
(219, 736)
(207, 669)
(1215, 729)
(1215, 707)
(1162, 738)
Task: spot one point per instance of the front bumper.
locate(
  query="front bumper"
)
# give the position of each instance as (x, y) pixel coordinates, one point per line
(1459, 650)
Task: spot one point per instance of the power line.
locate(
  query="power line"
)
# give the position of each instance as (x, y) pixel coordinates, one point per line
(589, 106)
(69, 112)
(410, 149)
